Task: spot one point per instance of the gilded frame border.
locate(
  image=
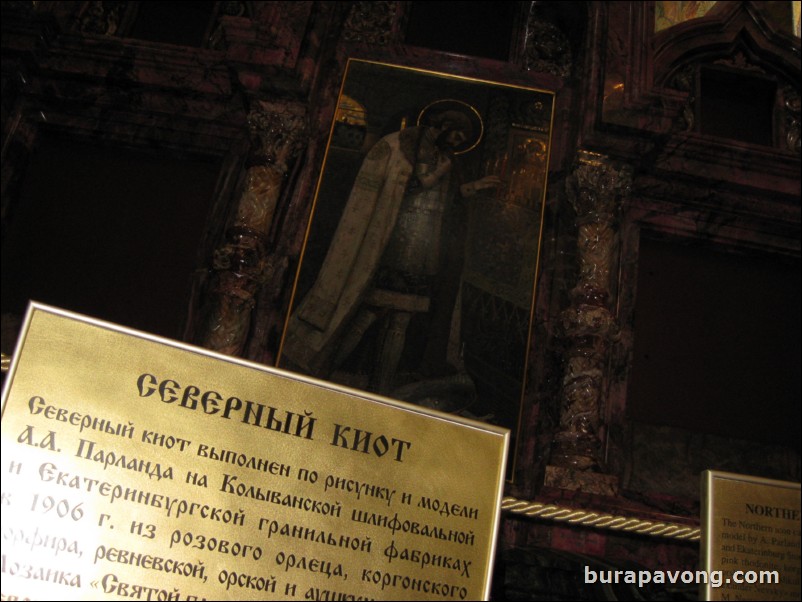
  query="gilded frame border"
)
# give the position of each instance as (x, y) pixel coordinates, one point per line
(491, 321)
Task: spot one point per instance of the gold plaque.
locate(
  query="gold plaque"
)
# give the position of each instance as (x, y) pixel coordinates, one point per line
(137, 467)
(750, 537)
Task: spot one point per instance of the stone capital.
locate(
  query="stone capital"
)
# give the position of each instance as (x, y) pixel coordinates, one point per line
(278, 130)
(596, 187)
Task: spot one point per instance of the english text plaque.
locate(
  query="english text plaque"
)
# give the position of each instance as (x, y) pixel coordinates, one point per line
(137, 467)
(750, 534)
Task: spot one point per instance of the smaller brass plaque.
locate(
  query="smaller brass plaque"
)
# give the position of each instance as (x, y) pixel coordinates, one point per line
(136, 467)
(750, 537)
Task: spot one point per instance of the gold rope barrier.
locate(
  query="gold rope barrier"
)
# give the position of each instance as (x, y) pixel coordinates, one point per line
(599, 520)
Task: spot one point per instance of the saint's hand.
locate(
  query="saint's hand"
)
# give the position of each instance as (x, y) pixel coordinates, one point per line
(443, 168)
(472, 188)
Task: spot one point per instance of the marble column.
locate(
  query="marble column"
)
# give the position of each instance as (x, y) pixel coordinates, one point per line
(596, 190)
(241, 262)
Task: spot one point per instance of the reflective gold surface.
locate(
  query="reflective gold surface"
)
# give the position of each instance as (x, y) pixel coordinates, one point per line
(750, 524)
(139, 467)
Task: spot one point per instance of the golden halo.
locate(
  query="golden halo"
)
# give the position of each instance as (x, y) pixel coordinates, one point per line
(451, 104)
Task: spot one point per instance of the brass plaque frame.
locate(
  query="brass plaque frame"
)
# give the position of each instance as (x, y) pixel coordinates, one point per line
(138, 466)
(749, 524)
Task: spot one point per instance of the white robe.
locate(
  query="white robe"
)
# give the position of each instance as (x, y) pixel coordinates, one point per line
(345, 276)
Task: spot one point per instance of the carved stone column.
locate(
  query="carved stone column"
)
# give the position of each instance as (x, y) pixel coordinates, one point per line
(278, 131)
(595, 189)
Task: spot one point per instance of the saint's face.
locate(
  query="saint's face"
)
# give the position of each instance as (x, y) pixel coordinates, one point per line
(455, 138)
(449, 140)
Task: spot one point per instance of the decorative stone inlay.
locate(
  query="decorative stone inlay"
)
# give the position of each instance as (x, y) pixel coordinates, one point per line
(547, 48)
(788, 103)
(370, 22)
(685, 81)
(232, 9)
(791, 107)
(102, 17)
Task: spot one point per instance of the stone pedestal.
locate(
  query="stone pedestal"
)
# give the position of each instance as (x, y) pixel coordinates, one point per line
(581, 480)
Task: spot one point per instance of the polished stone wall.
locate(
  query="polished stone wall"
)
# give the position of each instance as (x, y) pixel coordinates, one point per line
(629, 159)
